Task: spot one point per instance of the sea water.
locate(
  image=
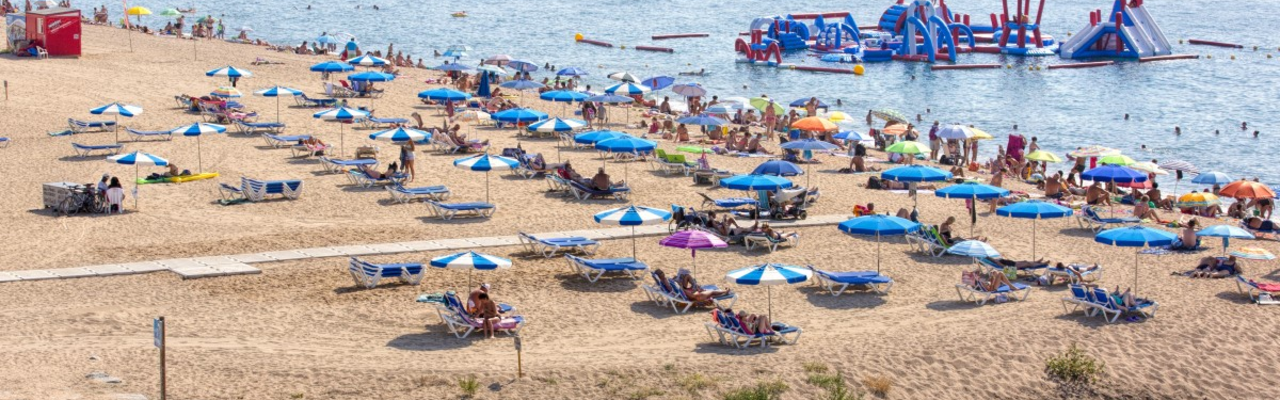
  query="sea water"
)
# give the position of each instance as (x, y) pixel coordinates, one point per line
(1063, 108)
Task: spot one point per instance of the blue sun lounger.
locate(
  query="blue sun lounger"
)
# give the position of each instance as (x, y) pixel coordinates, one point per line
(79, 126)
(139, 135)
(1088, 218)
(249, 128)
(461, 323)
(404, 195)
(368, 274)
(675, 298)
(582, 192)
(361, 178)
(448, 211)
(837, 282)
(282, 141)
(727, 203)
(336, 166)
(1106, 305)
(305, 101)
(83, 151)
(594, 269)
(727, 330)
(257, 190)
(975, 294)
(548, 247)
(4, 142)
(989, 263)
(375, 122)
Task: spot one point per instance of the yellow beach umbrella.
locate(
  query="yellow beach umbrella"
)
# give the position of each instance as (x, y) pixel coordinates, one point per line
(979, 134)
(1117, 159)
(1044, 156)
(1198, 199)
(138, 10)
(837, 116)
(814, 124)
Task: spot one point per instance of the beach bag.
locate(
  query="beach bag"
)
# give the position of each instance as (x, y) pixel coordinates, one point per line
(968, 278)
(1011, 273)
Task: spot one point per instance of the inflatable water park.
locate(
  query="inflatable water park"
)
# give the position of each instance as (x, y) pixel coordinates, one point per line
(931, 31)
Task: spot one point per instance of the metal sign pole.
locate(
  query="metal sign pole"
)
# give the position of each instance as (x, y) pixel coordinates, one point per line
(158, 331)
(519, 359)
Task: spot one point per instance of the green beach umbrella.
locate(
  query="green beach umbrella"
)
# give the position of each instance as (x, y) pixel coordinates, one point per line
(170, 12)
(908, 147)
(1116, 159)
(763, 103)
(694, 149)
(891, 115)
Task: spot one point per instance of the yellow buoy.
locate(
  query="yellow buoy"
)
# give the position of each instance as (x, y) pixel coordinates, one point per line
(1008, 66)
(791, 67)
(859, 69)
(623, 47)
(577, 37)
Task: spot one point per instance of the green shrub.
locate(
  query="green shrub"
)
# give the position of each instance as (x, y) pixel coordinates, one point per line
(1074, 366)
(469, 386)
(761, 391)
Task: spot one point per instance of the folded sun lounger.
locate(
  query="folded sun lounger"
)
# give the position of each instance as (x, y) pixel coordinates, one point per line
(282, 141)
(549, 247)
(249, 128)
(837, 282)
(335, 166)
(368, 274)
(582, 192)
(594, 269)
(975, 294)
(448, 211)
(88, 150)
(404, 195)
(79, 126)
(257, 190)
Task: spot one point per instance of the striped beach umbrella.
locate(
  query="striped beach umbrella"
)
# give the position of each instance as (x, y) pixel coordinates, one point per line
(624, 77)
(689, 90)
(627, 88)
(229, 72)
(890, 115)
(769, 275)
(471, 261)
(564, 96)
(878, 225)
(137, 159)
(973, 248)
(1035, 210)
(572, 71)
(633, 216)
(342, 115)
(519, 115)
(693, 240)
(199, 129)
(226, 92)
(332, 66)
(486, 163)
(367, 60)
(1212, 178)
(400, 135)
(278, 92)
(117, 110)
(556, 125)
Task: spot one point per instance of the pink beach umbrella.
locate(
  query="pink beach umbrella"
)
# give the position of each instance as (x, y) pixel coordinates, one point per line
(693, 240)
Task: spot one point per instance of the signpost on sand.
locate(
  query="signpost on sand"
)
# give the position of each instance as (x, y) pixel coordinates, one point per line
(157, 330)
(519, 360)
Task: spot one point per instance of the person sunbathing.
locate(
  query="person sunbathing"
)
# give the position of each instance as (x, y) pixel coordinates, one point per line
(373, 173)
(728, 227)
(1124, 300)
(487, 313)
(1020, 265)
(601, 181)
(1097, 196)
(859, 164)
(1259, 224)
(754, 146)
(776, 235)
(538, 163)
(682, 134)
(752, 323)
(695, 292)
(1213, 267)
(990, 281)
(1142, 208)
(1187, 240)
(945, 231)
(1078, 271)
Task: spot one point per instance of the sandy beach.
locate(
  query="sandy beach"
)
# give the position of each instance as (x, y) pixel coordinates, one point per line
(301, 329)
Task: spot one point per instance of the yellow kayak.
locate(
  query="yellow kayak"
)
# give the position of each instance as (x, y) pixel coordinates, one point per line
(196, 177)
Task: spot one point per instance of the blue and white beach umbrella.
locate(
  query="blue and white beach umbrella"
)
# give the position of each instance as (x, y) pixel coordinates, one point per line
(519, 115)
(1212, 178)
(768, 275)
(703, 120)
(557, 125)
(610, 99)
(626, 145)
(1135, 236)
(278, 92)
(457, 51)
(522, 66)
(486, 163)
(230, 72)
(117, 110)
(331, 66)
(400, 135)
(137, 159)
(633, 216)
(973, 248)
(342, 115)
(371, 76)
(878, 225)
(199, 129)
(367, 60)
(521, 84)
(627, 88)
(452, 67)
(443, 94)
(471, 261)
(1034, 210)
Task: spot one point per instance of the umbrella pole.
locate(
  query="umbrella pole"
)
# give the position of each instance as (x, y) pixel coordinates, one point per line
(1034, 222)
(342, 140)
(277, 109)
(877, 252)
(769, 290)
(199, 156)
(486, 186)
(115, 129)
(1135, 273)
(633, 242)
(135, 185)
(695, 261)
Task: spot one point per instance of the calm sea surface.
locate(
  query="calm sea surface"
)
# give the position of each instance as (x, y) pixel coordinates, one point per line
(1064, 108)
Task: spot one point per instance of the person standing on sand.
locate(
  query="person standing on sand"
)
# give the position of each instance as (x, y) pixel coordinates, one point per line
(935, 143)
(406, 159)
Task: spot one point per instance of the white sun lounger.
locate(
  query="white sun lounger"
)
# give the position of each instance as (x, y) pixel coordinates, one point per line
(549, 247)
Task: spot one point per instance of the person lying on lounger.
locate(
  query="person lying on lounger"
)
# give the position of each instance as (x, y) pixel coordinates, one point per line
(373, 173)
(1020, 265)
(601, 181)
(990, 281)
(693, 290)
(728, 226)
(487, 313)
(1124, 299)
(1213, 267)
(751, 323)
(1077, 270)
(775, 235)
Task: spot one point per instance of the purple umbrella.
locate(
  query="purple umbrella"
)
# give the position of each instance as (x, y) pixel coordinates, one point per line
(693, 240)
